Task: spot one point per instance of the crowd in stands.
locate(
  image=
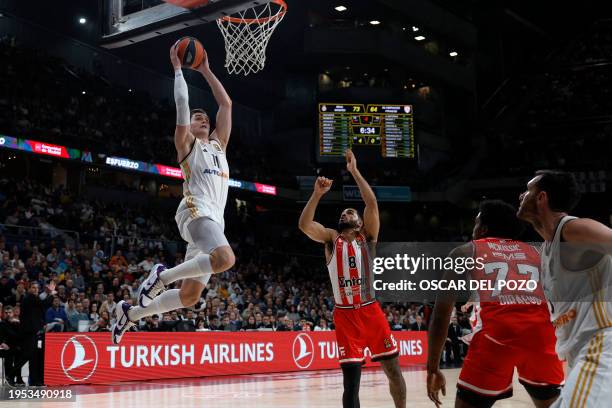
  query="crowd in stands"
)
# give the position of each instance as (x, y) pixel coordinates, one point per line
(28, 203)
(44, 98)
(52, 283)
(85, 284)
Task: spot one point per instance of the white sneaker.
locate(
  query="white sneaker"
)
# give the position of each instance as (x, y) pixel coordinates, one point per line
(152, 286)
(122, 321)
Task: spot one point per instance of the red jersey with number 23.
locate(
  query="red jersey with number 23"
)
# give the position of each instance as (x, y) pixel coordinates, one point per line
(514, 312)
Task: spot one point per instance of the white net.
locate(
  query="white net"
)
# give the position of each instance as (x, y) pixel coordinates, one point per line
(246, 36)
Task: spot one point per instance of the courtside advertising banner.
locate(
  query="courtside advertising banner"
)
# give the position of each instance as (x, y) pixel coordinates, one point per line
(82, 358)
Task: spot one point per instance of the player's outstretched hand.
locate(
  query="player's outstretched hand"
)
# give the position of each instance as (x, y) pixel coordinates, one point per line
(322, 185)
(174, 59)
(436, 383)
(351, 161)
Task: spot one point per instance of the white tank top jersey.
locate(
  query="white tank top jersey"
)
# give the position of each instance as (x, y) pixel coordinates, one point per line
(579, 299)
(206, 175)
(349, 271)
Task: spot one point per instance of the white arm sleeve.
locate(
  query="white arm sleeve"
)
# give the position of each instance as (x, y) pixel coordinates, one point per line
(181, 97)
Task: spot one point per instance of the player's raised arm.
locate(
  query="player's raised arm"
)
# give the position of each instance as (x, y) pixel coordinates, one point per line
(371, 218)
(593, 234)
(223, 125)
(307, 224)
(182, 136)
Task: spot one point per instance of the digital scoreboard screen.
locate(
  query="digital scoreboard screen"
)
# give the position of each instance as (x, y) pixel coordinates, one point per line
(387, 128)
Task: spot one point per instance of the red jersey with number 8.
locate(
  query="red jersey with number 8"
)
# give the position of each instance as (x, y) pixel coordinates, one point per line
(349, 271)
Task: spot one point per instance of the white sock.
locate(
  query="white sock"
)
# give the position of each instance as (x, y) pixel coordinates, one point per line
(193, 268)
(167, 301)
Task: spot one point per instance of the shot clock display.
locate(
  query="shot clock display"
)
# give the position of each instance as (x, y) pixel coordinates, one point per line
(388, 128)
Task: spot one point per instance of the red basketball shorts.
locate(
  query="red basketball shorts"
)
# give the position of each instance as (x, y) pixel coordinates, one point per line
(489, 367)
(358, 328)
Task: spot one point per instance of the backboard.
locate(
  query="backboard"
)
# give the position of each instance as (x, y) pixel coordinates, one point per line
(127, 22)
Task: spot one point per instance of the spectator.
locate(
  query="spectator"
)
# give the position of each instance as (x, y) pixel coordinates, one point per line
(248, 311)
(236, 296)
(109, 304)
(453, 343)
(293, 314)
(93, 312)
(215, 324)
(283, 324)
(251, 324)
(10, 346)
(153, 323)
(147, 264)
(103, 324)
(118, 261)
(189, 317)
(418, 325)
(235, 322)
(322, 326)
(56, 317)
(77, 316)
(266, 324)
(79, 280)
(6, 288)
(396, 325)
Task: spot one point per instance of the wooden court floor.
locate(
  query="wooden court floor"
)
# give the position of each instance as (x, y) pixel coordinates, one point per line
(305, 389)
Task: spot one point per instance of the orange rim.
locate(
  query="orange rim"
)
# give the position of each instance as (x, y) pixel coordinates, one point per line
(237, 20)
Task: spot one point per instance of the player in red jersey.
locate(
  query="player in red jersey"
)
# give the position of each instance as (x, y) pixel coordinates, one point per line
(359, 320)
(514, 328)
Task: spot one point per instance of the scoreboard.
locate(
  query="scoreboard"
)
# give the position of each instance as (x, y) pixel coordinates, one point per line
(388, 128)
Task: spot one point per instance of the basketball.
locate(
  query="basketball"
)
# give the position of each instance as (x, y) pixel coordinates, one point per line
(190, 52)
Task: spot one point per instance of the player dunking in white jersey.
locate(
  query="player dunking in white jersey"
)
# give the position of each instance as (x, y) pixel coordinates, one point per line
(576, 277)
(199, 217)
(359, 320)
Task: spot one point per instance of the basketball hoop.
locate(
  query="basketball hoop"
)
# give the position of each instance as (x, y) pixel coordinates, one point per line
(246, 36)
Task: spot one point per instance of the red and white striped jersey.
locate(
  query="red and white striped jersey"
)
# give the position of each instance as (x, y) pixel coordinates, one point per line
(349, 271)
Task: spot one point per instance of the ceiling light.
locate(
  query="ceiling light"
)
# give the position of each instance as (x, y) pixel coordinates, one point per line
(82, 20)
(403, 28)
(419, 38)
(374, 22)
(415, 29)
(83, 92)
(453, 53)
(340, 8)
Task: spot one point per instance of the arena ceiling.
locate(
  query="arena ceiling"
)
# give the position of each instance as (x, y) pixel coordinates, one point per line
(536, 26)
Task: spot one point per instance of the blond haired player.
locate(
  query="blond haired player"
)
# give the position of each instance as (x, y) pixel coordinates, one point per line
(576, 274)
(199, 217)
(359, 320)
